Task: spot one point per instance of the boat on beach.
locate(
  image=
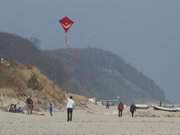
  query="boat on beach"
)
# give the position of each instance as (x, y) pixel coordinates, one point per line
(173, 109)
(142, 106)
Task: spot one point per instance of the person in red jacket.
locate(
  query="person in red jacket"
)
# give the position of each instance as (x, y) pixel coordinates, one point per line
(120, 109)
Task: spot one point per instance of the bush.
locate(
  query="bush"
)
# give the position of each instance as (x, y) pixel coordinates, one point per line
(33, 83)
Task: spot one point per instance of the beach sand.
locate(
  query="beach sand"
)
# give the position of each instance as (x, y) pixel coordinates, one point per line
(95, 120)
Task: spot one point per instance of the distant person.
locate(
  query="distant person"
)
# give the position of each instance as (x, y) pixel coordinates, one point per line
(11, 108)
(19, 110)
(132, 109)
(15, 108)
(51, 109)
(70, 104)
(107, 105)
(29, 103)
(120, 109)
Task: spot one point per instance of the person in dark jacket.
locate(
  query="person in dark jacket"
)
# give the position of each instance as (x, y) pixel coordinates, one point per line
(29, 103)
(107, 105)
(11, 108)
(132, 109)
(120, 109)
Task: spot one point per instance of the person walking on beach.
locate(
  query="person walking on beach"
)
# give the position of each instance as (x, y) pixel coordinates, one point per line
(132, 109)
(51, 109)
(70, 104)
(29, 103)
(107, 105)
(120, 109)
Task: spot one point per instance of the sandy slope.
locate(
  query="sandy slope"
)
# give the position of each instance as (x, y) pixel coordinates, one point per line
(92, 121)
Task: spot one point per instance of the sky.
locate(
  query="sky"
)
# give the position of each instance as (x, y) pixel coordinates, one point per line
(143, 32)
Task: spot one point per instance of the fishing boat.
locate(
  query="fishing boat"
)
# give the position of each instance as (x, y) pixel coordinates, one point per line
(142, 106)
(173, 109)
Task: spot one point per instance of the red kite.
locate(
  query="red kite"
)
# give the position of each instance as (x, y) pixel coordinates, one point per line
(66, 23)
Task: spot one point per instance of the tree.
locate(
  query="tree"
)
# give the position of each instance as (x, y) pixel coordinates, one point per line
(36, 43)
(33, 83)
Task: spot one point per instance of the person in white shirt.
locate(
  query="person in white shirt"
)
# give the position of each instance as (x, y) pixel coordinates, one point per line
(70, 105)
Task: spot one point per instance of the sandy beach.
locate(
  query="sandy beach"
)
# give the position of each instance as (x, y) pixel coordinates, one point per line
(95, 120)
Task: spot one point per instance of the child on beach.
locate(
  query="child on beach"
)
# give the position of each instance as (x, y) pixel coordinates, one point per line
(51, 109)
